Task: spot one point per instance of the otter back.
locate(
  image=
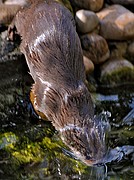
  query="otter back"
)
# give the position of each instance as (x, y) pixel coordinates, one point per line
(50, 43)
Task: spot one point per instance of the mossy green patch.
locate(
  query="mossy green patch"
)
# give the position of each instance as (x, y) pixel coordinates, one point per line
(7, 140)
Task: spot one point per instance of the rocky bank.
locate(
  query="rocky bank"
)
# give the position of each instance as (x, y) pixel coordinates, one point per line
(106, 31)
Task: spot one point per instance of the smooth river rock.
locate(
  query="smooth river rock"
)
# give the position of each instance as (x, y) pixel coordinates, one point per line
(117, 71)
(95, 48)
(93, 5)
(116, 23)
(86, 21)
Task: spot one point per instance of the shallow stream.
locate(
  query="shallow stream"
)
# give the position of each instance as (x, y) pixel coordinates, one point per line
(31, 149)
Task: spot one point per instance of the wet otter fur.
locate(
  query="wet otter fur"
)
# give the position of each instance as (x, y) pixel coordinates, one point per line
(54, 56)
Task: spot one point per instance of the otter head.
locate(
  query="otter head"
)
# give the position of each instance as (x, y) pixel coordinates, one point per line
(87, 143)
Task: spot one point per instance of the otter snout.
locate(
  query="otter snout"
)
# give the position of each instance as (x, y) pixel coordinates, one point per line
(86, 143)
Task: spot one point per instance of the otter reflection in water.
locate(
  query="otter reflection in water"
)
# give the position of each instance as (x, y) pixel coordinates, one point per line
(54, 56)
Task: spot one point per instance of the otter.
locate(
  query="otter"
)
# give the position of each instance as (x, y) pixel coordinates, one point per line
(54, 56)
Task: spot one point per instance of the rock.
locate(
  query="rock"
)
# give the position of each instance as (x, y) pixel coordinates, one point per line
(86, 21)
(89, 66)
(95, 48)
(116, 23)
(130, 51)
(67, 4)
(117, 71)
(117, 49)
(93, 5)
(11, 2)
(7, 13)
(123, 2)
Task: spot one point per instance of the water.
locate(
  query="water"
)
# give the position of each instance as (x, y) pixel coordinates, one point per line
(31, 149)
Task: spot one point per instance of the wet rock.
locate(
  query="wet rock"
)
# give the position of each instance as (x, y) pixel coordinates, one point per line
(123, 2)
(93, 5)
(89, 66)
(117, 71)
(7, 13)
(117, 49)
(116, 23)
(86, 21)
(95, 48)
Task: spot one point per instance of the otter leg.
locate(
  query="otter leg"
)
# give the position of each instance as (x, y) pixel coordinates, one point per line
(35, 105)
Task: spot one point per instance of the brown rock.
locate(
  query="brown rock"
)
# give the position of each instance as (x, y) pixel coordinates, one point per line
(95, 48)
(86, 21)
(116, 23)
(7, 13)
(89, 66)
(117, 49)
(93, 5)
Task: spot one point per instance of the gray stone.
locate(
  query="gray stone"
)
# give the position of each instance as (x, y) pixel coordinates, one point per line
(86, 21)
